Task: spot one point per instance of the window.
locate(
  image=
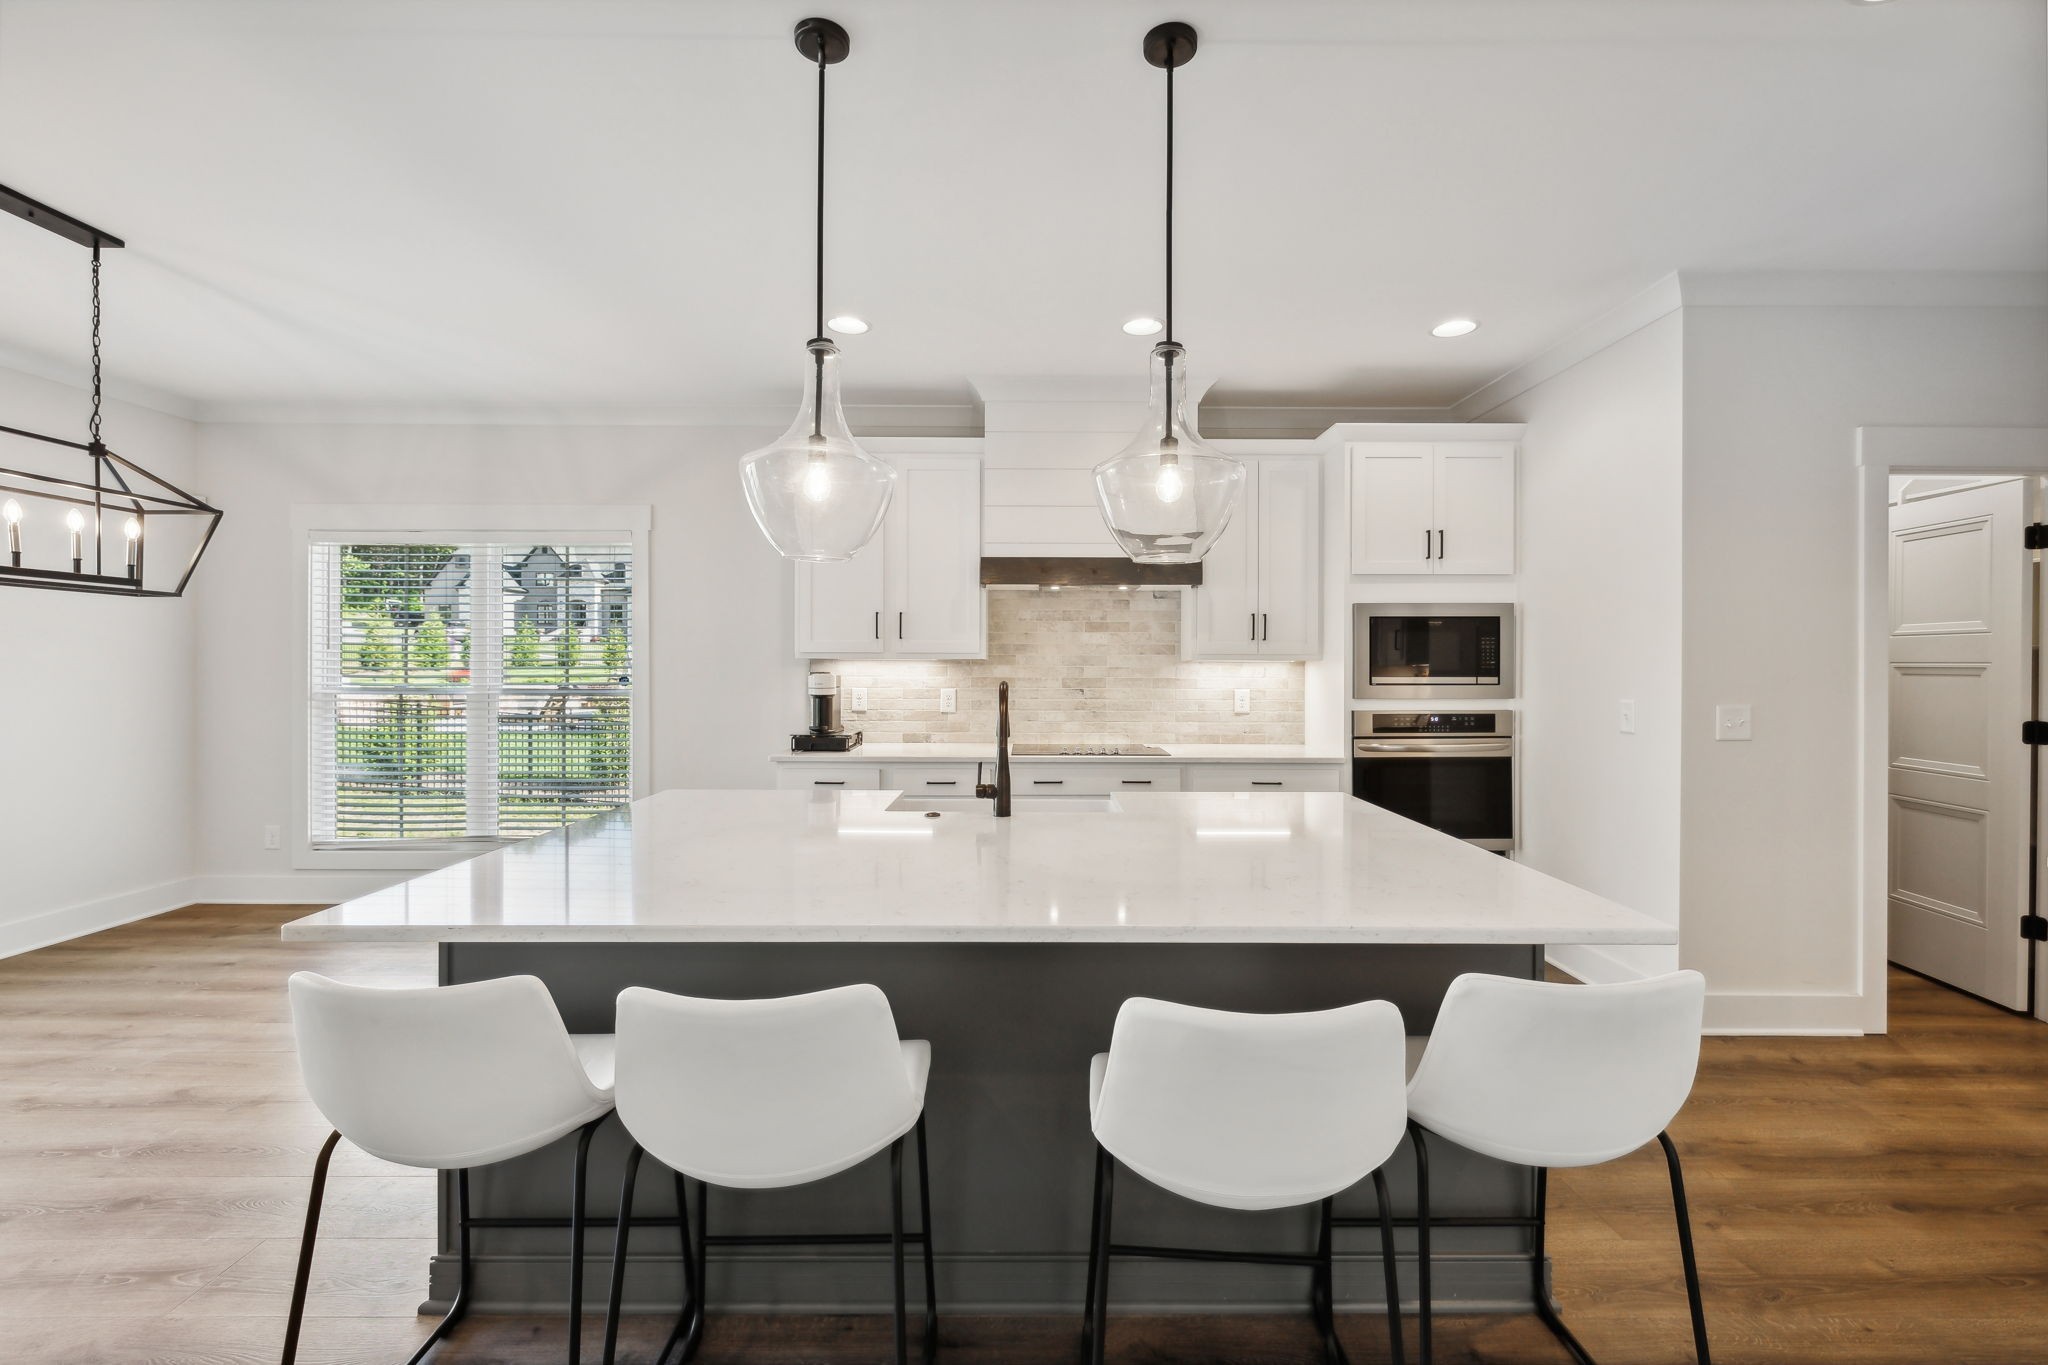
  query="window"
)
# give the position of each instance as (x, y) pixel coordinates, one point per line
(466, 687)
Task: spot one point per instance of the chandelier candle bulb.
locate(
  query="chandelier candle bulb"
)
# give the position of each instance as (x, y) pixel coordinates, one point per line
(75, 520)
(133, 531)
(11, 514)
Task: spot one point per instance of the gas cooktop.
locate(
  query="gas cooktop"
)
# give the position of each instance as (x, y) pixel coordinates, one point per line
(1087, 750)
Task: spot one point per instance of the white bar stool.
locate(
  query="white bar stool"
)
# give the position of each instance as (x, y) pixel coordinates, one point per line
(1247, 1111)
(1546, 1074)
(448, 1078)
(767, 1094)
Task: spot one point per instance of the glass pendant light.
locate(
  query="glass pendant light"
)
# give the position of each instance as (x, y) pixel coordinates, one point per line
(1167, 495)
(815, 493)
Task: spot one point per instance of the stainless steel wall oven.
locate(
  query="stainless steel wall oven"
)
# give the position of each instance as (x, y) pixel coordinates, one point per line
(1452, 771)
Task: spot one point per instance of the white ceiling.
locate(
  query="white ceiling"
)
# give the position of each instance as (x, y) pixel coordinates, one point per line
(533, 203)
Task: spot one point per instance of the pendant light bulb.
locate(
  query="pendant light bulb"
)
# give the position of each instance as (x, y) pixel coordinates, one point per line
(814, 492)
(1167, 495)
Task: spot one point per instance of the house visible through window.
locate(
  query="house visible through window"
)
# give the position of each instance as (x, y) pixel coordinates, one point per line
(466, 690)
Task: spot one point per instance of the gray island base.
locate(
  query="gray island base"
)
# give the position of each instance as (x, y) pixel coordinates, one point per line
(1009, 945)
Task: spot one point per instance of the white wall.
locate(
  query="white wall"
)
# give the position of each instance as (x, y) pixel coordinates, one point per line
(727, 688)
(96, 758)
(1773, 396)
(1600, 600)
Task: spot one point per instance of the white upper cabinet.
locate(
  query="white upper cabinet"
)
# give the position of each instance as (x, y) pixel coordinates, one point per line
(1433, 508)
(915, 590)
(1261, 593)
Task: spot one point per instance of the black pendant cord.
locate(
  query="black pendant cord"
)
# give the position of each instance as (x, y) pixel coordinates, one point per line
(1169, 340)
(818, 296)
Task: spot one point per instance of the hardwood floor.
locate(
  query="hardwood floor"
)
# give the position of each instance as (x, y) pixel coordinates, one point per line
(1882, 1201)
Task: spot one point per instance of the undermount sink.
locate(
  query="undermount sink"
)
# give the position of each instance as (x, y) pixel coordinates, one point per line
(1019, 805)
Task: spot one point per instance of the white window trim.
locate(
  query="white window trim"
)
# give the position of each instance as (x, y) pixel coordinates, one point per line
(434, 523)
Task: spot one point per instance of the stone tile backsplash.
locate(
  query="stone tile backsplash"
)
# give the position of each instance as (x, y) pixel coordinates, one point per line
(1094, 665)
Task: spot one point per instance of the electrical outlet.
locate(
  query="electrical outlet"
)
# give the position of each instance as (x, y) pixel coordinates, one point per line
(273, 836)
(949, 701)
(857, 698)
(1628, 717)
(1244, 701)
(1731, 721)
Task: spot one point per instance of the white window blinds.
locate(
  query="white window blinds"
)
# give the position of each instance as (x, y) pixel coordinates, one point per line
(471, 689)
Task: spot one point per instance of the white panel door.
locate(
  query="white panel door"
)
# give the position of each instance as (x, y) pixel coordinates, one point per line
(1290, 557)
(1222, 616)
(1961, 607)
(935, 591)
(1475, 507)
(839, 606)
(1393, 508)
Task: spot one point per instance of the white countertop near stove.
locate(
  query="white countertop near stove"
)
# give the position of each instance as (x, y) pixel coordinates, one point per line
(986, 753)
(807, 867)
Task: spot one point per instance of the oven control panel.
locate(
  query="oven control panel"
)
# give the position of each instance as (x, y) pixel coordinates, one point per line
(1432, 722)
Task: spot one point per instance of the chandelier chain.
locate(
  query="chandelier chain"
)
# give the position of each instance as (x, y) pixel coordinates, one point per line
(94, 425)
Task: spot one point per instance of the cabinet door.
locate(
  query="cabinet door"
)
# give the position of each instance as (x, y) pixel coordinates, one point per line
(1393, 499)
(1222, 617)
(1290, 557)
(1475, 507)
(839, 606)
(935, 592)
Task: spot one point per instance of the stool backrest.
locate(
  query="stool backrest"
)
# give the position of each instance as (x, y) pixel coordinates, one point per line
(1562, 1075)
(440, 1076)
(762, 1093)
(1253, 1111)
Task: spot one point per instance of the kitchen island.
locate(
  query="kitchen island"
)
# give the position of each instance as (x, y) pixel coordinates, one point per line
(1009, 944)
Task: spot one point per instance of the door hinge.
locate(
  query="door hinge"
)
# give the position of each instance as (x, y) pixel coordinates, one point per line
(2034, 928)
(2037, 536)
(2034, 732)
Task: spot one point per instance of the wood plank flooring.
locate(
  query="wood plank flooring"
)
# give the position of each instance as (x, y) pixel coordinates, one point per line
(1880, 1201)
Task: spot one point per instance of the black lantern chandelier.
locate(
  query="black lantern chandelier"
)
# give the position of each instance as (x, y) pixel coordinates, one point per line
(57, 521)
(1168, 494)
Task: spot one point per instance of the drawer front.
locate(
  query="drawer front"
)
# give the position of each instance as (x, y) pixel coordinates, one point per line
(1093, 779)
(832, 777)
(933, 779)
(1243, 777)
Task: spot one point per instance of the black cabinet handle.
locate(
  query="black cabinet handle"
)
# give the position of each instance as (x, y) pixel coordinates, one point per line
(878, 625)
(1265, 627)
(949, 782)
(1137, 782)
(899, 625)
(1255, 625)
(1425, 544)
(1257, 783)
(833, 782)
(1439, 544)
(1048, 781)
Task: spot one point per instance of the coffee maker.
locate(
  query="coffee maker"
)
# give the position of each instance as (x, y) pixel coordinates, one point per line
(825, 735)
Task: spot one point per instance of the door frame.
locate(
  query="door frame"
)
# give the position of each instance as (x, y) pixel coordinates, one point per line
(1882, 452)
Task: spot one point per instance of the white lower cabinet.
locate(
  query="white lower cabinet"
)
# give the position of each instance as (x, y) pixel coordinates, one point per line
(931, 779)
(1091, 779)
(1243, 777)
(829, 776)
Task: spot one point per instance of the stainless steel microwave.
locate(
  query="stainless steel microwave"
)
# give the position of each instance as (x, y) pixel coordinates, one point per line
(1440, 651)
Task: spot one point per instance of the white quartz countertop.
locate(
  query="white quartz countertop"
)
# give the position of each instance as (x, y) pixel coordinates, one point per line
(808, 867)
(986, 753)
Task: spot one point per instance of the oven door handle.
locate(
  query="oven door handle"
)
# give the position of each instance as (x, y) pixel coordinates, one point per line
(1440, 750)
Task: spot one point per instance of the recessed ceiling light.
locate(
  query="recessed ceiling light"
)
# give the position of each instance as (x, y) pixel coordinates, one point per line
(1143, 327)
(846, 324)
(1454, 327)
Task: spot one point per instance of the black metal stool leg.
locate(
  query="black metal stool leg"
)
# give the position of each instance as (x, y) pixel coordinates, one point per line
(896, 1249)
(314, 1197)
(460, 1308)
(579, 1183)
(931, 1274)
(700, 1302)
(1692, 1270)
(1396, 1350)
(687, 1319)
(1105, 1181)
(1425, 1307)
(1544, 1309)
(1323, 1290)
(1094, 1250)
(618, 1288)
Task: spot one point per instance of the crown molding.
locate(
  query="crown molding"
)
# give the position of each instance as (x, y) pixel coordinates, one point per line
(1866, 289)
(1631, 315)
(869, 419)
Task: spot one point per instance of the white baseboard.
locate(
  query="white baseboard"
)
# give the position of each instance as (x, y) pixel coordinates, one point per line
(1786, 1015)
(75, 921)
(1594, 966)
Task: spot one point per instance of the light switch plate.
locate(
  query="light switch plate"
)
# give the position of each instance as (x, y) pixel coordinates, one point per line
(1244, 701)
(273, 837)
(1628, 717)
(1731, 721)
(857, 698)
(948, 701)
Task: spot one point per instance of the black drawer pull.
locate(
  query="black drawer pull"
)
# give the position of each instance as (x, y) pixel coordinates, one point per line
(1048, 781)
(1137, 782)
(1257, 783)
(934, 782)
(823, 782)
